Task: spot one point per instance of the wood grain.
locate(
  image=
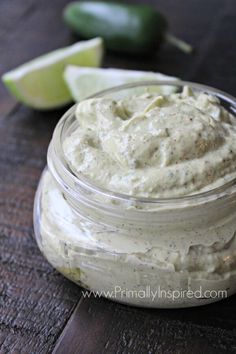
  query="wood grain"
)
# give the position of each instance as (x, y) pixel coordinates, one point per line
(36, 302)
(101, 326)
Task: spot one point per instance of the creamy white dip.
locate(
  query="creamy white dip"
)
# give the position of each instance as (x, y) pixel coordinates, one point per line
(151, 146)
(154, 146)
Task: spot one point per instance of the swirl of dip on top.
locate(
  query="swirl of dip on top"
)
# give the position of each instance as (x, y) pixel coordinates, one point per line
(155, 146)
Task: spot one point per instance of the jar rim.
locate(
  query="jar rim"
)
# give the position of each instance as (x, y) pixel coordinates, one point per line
(74, 182)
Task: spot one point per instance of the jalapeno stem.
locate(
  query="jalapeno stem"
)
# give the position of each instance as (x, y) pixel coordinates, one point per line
(178, 43)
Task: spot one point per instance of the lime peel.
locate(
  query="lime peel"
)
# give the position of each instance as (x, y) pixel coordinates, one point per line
(39, 83)
(84, 82)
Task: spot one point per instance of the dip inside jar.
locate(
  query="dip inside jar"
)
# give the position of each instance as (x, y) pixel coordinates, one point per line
(154, 146)
(151, 146)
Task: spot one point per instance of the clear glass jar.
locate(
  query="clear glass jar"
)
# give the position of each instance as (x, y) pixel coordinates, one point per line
(167, 253)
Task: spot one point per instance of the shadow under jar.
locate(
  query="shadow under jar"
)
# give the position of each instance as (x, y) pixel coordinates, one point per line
(151, 252)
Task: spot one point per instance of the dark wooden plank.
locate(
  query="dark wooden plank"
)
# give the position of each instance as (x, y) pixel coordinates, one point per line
(35, 301)
(11, 18)
(101, 326)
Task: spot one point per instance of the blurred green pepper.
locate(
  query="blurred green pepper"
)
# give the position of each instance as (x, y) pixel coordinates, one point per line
(132, 29)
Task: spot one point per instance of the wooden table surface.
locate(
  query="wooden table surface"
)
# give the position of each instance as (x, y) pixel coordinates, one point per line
(41, 311)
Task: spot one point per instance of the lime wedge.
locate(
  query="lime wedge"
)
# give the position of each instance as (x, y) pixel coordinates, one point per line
(39, 83)
(84, 82)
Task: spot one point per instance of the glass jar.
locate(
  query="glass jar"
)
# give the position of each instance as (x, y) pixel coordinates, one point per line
(150, 252)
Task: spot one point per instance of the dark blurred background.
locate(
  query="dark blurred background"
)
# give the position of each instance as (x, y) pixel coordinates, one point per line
(29, 28)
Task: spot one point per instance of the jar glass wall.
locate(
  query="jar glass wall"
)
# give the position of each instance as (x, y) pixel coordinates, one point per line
(150, 252)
